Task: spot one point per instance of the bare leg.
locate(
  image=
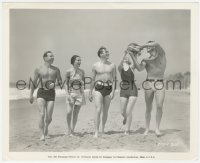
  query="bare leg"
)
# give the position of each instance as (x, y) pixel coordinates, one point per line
(50, 106)
(98, 103)
(130, 106)
(41, 106)
(69, 118)
(149, 95)
(106, 104)
(123, 102)
(160, 96)
(75, 116)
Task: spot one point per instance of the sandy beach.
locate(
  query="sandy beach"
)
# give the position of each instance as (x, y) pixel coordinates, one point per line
(24, 131)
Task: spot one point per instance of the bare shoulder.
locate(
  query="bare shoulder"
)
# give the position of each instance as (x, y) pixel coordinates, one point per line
(55, 68)
(68, 71)
(39, 68)
(81, 70)
(111, 64)
(95, 65)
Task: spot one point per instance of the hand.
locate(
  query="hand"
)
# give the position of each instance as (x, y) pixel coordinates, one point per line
(31, 99)
(90, 97)
(69, 97)
(111, 95)
(125, 52)
(142, 47)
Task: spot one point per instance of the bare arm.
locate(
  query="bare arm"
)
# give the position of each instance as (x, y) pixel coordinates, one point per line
(67, 78)
(114, 82)
(92, 83)
(83, 79)
(157, 46)
(59, 79)
(121, 63)
(138, 66)
(93, 79)
(35, 79)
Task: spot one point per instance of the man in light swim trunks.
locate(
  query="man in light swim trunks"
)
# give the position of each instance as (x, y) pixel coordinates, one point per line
(103, 80)
(45, 77)
(154, 85)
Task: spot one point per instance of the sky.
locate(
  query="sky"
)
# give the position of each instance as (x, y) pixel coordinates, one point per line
(83, 32)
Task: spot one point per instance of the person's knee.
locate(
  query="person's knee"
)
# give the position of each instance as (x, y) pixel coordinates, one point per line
(122, 111)
(105, 115)
(48, 120)
(129, 116)
(69, 111)
(148, 111)
(98, 110)
(159, 107)
(42, 115)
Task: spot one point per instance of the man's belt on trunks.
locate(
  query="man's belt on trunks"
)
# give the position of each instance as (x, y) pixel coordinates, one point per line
(155, 80)
(104, 83)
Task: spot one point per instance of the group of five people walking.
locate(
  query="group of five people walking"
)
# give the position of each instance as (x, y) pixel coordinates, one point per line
(102, 87)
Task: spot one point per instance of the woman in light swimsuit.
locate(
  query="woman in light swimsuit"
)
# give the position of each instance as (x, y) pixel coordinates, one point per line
(74, 88)
(128, 92)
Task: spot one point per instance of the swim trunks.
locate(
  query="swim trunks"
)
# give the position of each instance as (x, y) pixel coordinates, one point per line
(104, 88)
(153, 84)
(76, 99)
(128, 87)
(48, 95)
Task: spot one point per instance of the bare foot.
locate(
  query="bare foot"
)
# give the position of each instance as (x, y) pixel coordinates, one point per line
(146, 132)
(69, 133)
(158, 133)
(126, 133)
(42, 138)
(96, 135)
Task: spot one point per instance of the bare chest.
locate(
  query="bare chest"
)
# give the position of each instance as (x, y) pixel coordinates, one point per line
(159, 63)
(47, 72)
(101, 69)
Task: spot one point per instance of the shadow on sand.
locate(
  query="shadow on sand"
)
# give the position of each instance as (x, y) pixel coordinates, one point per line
(138, 131)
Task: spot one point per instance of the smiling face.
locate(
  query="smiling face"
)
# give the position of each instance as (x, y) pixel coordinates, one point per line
(127, 60)
(49, 58)
(104, 54)
(77, 62)
(107, 54)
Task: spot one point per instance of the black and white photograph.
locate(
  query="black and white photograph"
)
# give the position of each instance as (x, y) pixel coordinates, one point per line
(100, 78)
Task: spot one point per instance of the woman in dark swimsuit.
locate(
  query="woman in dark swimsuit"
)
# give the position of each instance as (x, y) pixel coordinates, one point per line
(128, 92)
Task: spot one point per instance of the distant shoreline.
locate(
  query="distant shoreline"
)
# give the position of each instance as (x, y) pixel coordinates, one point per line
(15, 94)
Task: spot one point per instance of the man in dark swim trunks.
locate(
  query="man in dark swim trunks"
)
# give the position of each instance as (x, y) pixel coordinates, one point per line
(46, 75)
(103, 77)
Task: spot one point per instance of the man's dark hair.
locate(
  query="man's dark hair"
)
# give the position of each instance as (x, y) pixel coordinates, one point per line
(101, 50)
(150, 41)
(45, 54)
(73, 58)
(133, 44)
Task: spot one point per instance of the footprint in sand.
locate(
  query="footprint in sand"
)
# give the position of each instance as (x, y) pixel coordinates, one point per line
(29, 146)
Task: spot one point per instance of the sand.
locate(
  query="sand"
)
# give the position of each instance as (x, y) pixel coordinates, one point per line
(24, 131)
